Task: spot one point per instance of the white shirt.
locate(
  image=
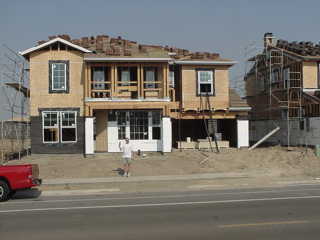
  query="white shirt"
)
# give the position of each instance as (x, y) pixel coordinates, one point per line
(127, 150)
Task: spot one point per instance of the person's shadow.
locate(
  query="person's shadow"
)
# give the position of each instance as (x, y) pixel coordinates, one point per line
(120, 171)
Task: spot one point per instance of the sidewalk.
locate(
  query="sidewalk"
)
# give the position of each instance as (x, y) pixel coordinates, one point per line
(168, 183)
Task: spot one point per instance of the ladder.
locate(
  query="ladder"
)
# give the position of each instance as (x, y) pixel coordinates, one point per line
(202, 109)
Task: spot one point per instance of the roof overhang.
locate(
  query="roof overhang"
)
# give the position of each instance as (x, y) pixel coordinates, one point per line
(30, 50)
(225, 63)
(128, 59)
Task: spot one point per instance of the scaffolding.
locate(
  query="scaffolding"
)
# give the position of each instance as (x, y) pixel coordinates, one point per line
(283, 86)
(15, 132)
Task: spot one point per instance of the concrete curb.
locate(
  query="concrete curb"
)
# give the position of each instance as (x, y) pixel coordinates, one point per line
(47, 182)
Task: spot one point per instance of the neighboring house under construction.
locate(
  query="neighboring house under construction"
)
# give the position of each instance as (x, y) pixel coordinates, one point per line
(88, 94)
(283, 90)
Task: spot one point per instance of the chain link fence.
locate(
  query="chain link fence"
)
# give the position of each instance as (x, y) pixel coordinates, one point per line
(14, 140)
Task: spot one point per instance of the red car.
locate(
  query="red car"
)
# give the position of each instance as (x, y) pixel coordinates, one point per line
(17, 177)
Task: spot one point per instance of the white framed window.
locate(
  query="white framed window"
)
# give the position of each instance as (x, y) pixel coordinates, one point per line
(59, 126)
(50, 126)
(205, 82)
(59, 76)
(68, 129)
(139, 124)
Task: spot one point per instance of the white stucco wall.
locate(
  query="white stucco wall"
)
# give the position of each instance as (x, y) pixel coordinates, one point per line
(166, 133)
(243, 133)
(89, 138)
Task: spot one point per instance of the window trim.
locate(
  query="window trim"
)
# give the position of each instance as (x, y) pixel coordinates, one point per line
(51, 85)
(59, 126)
(212, 82)
(50, 127)
(62, 127)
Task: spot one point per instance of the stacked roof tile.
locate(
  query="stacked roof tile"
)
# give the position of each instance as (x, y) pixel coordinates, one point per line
(301, 48)
(103, 45)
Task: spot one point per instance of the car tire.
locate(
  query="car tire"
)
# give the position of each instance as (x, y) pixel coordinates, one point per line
(4, 191)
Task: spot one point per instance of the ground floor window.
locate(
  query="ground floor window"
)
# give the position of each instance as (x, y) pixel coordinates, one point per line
(139, 125)
(59, 126)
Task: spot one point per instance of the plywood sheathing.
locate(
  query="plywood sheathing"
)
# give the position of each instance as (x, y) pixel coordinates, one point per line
(39, 84)
(101, 123)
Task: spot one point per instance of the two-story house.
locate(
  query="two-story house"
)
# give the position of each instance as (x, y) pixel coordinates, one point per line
(87, 94)
(283, 89)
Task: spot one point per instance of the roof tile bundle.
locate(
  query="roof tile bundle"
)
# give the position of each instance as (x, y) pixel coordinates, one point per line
(103, 45)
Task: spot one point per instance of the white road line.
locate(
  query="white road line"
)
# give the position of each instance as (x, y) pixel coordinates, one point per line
(205, 186)
(155, 196)
(79, 192)
(158, 204)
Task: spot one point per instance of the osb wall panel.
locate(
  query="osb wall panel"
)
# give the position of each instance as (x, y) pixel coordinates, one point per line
(310, 75)
(39, 81)
(101, 130)
(251, 85)
(189, 87)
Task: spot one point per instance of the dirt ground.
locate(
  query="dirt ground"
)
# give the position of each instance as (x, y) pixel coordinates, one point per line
(271, 161)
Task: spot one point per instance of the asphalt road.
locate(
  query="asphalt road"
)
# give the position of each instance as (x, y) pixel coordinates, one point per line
(269, 213)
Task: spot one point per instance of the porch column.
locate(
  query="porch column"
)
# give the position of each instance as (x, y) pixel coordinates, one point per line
(89, 138)
(243, 133)
(166, 133)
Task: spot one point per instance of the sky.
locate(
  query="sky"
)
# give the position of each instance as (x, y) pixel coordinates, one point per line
(233, 28)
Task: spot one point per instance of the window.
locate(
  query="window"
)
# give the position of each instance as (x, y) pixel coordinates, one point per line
(125, 77)
(58, 76)
(50, 123)
(68, 127)
(156, 129)
(205, 82)
(139, 125)
(122, 122)
(59, 126)
(150, 77)
(99, 77)
(171, 79)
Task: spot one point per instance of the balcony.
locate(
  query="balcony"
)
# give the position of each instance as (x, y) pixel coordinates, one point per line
(128, 81)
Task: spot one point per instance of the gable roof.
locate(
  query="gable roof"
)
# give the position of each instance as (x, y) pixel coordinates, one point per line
(58, 39)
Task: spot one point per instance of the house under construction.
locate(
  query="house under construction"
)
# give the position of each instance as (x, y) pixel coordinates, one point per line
(283, 90)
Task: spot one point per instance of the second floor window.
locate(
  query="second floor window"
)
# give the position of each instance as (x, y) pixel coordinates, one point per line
(150, 77)
(205, 82)
(58, 76)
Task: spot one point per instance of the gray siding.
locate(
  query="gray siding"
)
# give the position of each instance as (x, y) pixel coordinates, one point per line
(37, 146)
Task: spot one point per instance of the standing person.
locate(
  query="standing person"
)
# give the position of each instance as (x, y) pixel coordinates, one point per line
(127, 154)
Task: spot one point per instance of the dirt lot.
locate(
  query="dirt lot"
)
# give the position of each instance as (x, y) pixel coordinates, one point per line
(272, 161)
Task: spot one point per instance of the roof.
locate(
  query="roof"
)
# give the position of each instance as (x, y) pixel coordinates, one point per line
(57, 39)
(236, 101)
(103, 46)
(304, 49)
